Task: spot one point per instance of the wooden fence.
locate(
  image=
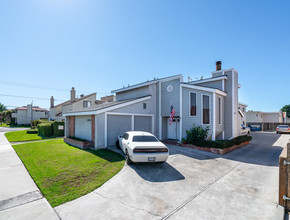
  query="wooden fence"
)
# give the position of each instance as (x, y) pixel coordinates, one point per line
(267, 126)
(284, 177)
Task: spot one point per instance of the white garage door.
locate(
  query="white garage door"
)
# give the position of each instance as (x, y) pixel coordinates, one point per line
(117, 125)
(83, 127)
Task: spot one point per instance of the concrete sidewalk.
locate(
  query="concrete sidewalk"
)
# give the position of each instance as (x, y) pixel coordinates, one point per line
(19, 196)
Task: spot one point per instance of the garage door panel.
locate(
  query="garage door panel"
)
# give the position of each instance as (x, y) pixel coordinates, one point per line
(117, 125)
(83, 127)
(143, 123)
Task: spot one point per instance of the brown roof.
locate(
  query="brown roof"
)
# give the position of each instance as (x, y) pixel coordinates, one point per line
(76, 100)
(35, 108)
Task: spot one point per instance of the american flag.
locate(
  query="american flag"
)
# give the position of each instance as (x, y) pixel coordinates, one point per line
(172, 110)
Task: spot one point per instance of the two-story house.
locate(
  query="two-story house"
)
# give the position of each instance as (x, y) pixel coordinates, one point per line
(75, 104)
(23, 115)
(147, 106)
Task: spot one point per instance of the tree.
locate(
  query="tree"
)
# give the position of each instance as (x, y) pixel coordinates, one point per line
(286, 109)
(2, 107)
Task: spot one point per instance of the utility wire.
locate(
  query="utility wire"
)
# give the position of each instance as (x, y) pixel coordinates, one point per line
(43, 87)
(18, 96)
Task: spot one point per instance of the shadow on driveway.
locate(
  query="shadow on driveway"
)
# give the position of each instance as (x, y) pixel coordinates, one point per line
(157, 172)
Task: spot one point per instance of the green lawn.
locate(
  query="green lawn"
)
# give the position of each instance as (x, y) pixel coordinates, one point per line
(15, 136)
(63, 172)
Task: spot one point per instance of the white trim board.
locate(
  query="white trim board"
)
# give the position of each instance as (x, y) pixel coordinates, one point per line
(147, 83)
(96, 112)
(201, 88)
(208, 80)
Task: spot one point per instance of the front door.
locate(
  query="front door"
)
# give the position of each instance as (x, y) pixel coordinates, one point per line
(172, 129)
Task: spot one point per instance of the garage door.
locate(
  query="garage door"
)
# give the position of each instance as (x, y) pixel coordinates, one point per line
(143, 123)
(83, 127)
(117, 125)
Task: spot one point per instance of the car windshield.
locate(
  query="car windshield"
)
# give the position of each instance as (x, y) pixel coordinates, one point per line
(283, 126)
(143, 138)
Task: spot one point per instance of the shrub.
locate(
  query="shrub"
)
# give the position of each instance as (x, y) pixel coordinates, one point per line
(197, 133)
(45, 129)
(32, 131)
(57, 132)
(34, 123)
(223, 144)
(76, 138)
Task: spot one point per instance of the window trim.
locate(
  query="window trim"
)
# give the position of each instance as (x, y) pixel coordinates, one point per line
(189, 98)
(209, 99)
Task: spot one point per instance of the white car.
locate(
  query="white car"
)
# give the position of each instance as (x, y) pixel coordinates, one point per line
(245, 130)
(140, 146)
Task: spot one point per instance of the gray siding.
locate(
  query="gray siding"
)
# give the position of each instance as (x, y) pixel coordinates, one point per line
(169, 98)
(219, 124)
(214, 84)
(187, 120)
(232, 129)
(134, 93)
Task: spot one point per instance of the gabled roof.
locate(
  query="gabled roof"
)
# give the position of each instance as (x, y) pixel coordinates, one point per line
(203, 88)
(147, 83)
(107, 106)
(76, 100)
(35, 108)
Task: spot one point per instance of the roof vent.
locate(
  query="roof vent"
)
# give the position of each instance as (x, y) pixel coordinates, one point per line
(82, 95)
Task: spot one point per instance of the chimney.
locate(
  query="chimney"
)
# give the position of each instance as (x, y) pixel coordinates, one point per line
(218, 65)
(72, 94)
(51, 102)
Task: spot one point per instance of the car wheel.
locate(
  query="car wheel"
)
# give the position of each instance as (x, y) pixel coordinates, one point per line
(118, 144)
(128, 160)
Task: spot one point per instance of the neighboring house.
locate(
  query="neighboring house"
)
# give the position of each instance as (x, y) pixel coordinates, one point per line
(23, 115)
(146, 106)
(242, 111)
(264, 117)
(75, 104)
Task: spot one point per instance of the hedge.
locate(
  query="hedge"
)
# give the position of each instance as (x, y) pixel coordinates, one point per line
(45, 129)
(223, 144)
(57, 132)
(50, 129)
(32, 131)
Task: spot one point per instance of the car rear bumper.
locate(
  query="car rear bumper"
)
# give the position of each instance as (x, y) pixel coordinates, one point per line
(144, 157)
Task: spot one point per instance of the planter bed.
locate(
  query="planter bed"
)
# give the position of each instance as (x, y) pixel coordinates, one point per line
(78, 143)
(208, 149)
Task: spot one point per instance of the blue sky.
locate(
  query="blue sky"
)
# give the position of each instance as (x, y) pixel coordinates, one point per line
(48, 46)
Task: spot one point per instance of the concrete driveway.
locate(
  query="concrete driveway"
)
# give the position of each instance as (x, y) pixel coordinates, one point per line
(191, 185)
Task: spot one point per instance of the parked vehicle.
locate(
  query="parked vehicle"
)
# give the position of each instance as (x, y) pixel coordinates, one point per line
(245, 130)
(140, 146)
(282, 129)
(255, 127)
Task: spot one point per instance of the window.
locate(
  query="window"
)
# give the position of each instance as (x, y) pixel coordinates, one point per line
(192, 104)
(87, 104)
(144, 106)
(126, 136)
(205, 109)
(142, 138)
(220, 110)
